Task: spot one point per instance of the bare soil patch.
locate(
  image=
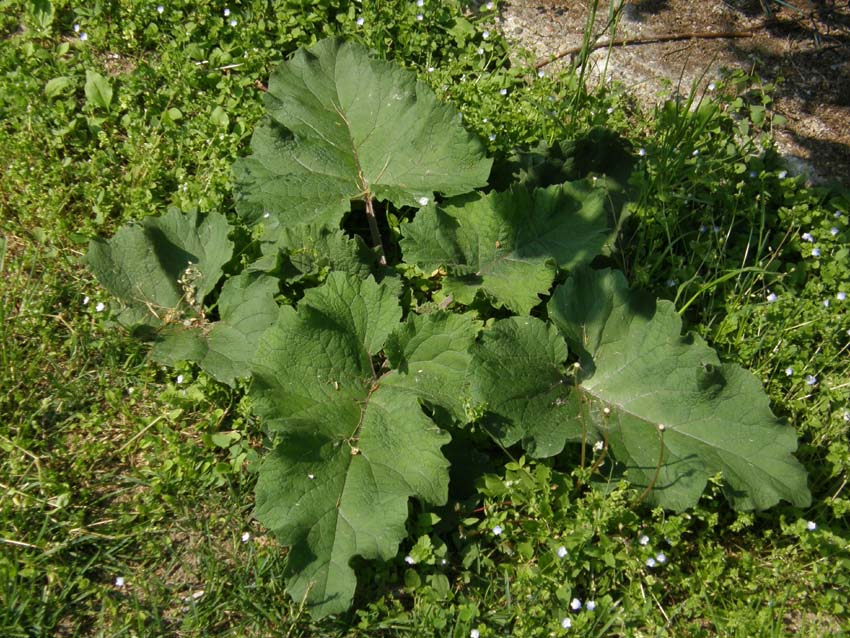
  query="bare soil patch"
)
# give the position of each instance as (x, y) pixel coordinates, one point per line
(804, 50)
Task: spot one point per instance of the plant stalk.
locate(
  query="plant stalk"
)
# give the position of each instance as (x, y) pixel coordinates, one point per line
(375, 231)
(649, 487)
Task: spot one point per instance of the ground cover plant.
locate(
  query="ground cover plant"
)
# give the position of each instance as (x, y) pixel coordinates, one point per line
(128, 487)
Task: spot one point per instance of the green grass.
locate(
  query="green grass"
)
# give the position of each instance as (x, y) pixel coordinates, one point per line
(113, 468)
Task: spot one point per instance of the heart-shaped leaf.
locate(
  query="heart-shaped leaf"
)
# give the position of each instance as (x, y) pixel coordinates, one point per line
(343, 126)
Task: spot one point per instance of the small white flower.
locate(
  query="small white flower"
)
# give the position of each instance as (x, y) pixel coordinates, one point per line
(83, 37)
(847, 417)
(489, 6)
(420, 17)
(423, 201)
(485, 34)
(642, 152)
(226, 12)
(695, 153)
(826, 303)
(789, 371)
(119, 581)
(100, 307)
(246, 536)
(644, 540)
(420, 3)
(702, 228)
(575, 604)
(360, 22)
(541, 73)
(807, 237)
(815, 252)
(179, 379)
(661, 558)
(430, 69)
(562, 551)
(590, 605)
(312, 477)
(474, 633)
(650, 562)
(671, 283)
(85, 300)
(833, 231)
(811, 379)
(497, 530)
(503, 92)
(480, 51)
(443, 561)
(566, 623)
(131, 390)
(409, 560)
(610, 110)
(233, 22)
(841, 296)
(811, 526)
(597, 447)
(266, 215)
(160, 9)
(492, 137)
(782, 174)
(76, 28)
(771, 297)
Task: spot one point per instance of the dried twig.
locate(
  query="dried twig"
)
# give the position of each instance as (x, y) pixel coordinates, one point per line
(651, 39)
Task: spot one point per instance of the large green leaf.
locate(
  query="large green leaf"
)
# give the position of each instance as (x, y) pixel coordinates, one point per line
(162, 269)
(518, 383)
(226, 347)
(307, 250)
(430, 357)
(510, 244)
(343, 126)
(353, 448)
(638, 373)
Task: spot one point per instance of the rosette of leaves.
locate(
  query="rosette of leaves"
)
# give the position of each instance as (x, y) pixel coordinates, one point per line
(352, 389)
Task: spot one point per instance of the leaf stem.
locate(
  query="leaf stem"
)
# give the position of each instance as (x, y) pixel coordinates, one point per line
(646, 490)
(373, 229)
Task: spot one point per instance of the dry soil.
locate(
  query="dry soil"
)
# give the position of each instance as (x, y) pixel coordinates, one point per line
(804, 49)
